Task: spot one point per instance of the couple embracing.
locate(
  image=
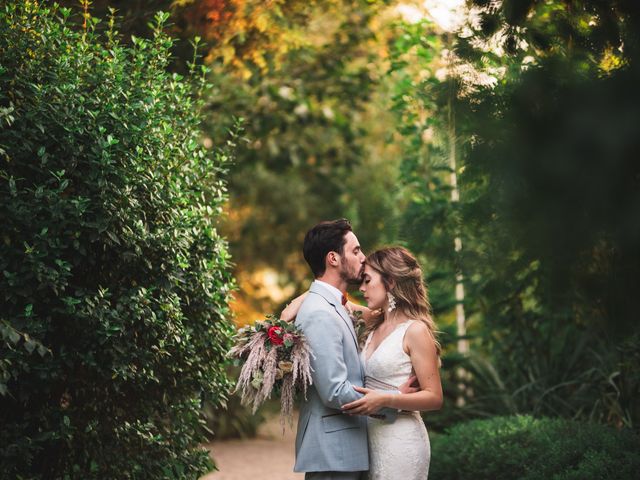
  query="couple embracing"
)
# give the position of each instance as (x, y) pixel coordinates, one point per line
(361, 416)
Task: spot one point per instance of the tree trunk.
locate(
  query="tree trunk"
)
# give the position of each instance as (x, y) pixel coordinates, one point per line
(461, 329)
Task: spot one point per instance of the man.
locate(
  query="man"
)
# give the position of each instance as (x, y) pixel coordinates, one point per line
(329, 444)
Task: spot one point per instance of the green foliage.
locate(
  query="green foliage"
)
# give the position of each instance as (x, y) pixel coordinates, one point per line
(548, 216)
(526, 448)
(552, 235)
(429, 220)
(587, 30)
(306, 141)
(115, 282)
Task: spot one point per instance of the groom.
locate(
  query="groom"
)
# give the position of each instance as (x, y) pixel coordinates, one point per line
(330, 444)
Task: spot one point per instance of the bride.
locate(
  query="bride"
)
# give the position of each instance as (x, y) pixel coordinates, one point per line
(401, 342)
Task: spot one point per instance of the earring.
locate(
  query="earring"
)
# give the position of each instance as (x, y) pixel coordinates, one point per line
(392, 302)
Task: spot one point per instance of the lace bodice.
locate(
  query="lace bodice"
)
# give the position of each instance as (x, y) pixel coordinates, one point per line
(388, 364)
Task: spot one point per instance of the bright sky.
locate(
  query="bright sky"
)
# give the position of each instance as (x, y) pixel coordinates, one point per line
(450, 16)
(447, 14)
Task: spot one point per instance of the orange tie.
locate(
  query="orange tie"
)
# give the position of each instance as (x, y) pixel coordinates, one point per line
(344, 299)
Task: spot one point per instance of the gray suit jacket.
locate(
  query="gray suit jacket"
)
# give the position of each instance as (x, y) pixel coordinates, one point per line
(328, 440)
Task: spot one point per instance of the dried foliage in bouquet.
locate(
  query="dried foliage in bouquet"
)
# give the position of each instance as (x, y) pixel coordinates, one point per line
(275, 357)
(359, 325)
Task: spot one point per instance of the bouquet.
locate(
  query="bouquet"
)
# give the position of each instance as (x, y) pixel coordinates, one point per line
(276, 357)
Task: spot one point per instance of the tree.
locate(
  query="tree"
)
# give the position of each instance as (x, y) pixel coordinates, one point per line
(424, 102)
(547, 177)
(115, 283)
(250, 36)
(546, 215)
(307, 130)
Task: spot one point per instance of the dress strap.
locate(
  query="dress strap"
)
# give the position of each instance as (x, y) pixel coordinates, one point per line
(405, 326)
(403, 331)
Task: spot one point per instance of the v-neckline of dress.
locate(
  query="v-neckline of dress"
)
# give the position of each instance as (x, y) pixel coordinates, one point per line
(366, 346)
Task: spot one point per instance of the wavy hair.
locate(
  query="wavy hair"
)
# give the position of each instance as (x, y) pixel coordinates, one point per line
(402, 277)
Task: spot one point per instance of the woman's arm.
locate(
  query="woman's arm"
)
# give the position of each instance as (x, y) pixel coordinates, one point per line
(424, 358)
(291, 310)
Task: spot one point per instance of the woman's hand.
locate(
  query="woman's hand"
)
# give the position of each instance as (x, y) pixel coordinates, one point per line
(368, 315)
(370, 404)
(410, 386)
(291, 310)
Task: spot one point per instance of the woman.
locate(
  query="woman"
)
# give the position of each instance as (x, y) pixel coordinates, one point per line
(401, 342)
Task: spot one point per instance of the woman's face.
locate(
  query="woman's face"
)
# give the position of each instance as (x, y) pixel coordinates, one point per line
(373, 289)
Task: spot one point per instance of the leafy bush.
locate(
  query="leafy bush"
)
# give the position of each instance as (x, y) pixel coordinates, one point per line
(522, 447)
(115, 282)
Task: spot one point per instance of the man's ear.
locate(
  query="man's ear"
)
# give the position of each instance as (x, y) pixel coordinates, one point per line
(332, 259)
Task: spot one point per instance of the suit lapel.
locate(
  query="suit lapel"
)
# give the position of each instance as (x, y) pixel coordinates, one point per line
(340, 310)
(345, 317)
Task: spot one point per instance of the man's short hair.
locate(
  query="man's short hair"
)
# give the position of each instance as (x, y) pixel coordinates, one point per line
(325, 237)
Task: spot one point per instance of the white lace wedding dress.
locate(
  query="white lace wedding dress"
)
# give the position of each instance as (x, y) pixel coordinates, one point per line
(398, 450)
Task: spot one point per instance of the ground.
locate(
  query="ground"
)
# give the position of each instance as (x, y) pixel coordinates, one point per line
(269, 456)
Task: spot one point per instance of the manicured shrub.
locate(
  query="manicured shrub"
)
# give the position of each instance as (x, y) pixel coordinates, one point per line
(523, 447)
(114, 282)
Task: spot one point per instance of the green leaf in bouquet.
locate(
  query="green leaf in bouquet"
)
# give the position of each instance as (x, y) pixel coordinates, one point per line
(258, 377)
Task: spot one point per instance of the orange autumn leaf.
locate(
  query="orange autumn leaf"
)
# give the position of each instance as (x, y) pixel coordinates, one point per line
(250, 34)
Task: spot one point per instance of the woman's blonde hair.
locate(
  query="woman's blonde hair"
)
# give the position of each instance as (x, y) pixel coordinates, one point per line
(402, 277)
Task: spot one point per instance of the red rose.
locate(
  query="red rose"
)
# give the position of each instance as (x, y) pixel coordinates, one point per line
(275, 335)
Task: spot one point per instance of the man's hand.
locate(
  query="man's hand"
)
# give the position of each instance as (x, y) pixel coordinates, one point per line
(410, 386)
(371, 403)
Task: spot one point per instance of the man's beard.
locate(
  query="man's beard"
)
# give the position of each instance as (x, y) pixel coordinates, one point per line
(351, 279)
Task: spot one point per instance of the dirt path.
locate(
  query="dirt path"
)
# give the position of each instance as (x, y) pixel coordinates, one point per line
(269, 456)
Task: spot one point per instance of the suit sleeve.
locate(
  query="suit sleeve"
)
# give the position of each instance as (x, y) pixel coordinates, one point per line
(329, 374)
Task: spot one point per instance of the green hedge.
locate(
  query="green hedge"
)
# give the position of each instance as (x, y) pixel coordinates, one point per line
(114, 282)
(522, 447)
